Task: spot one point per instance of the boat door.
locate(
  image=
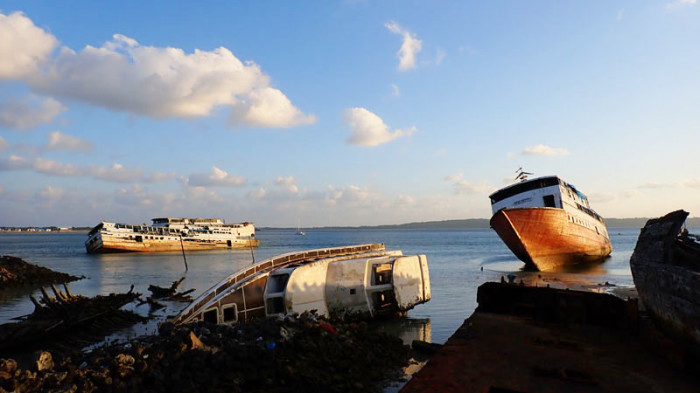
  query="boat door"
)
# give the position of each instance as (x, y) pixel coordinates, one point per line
(411, 281)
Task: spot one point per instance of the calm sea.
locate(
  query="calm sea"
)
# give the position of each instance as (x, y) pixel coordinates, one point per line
(459, 261)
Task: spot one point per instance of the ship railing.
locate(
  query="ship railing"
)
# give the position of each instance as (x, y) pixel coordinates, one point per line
(270, 264)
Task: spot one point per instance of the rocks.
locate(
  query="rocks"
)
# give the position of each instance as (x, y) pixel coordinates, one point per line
(297, 353)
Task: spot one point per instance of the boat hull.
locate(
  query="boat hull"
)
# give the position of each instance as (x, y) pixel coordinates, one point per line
(545, 239)
(666, 282)
(108, 244)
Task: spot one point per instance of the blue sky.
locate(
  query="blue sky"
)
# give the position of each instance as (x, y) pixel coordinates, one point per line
(342, 113)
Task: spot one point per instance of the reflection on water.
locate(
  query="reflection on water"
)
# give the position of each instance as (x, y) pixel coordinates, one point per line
(459, 261)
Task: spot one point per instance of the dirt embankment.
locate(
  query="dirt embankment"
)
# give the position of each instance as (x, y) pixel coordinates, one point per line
(15, 272)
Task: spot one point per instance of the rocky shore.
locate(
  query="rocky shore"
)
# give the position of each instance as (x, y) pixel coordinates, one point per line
(15, 272)
(295, 353)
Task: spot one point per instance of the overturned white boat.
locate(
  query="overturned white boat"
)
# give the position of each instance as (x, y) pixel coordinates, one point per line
(362, 279)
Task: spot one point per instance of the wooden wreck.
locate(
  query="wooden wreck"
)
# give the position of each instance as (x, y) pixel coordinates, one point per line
(360, 280)
(666, 270)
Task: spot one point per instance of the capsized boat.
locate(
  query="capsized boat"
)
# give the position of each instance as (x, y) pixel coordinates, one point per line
(548, 223)
(665, 267)
(365, 280)
(170, 234)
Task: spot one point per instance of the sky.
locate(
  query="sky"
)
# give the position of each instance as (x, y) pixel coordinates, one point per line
(342, 112)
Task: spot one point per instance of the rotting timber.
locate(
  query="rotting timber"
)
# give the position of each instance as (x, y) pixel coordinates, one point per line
(536, 339)
(57, 318)
(16, 272)
(665, 266)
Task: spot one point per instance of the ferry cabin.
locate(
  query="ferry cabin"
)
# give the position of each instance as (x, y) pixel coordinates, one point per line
(550, 191)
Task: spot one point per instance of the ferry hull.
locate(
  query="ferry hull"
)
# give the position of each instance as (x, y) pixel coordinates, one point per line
(545, 239)
(105, 245)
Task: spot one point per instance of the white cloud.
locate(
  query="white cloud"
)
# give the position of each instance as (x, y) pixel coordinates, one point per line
(410, 46)
(216, 178)
(257, 194)
(461, 186)
(268, 107)
(14, 162)
(29, 113)
(544, 150)
(4, 144)
(51, 194)
(440, 56)
(123, 75)
(288, 183)
(395, 90)
(59, 141)
(369, 129)
(680, 3)
(24, 47)
(51, 167)
(116, 173)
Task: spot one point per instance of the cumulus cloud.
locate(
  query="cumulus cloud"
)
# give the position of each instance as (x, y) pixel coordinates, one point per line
(24, 47)
(114, 173)
(369, 129)
(29, 112)
(680, 4)
(50, 193)
(288, 183)
(216, 178)
(123, 75)
(4, 144)
(544, 150)
(59, 141)
(257, 194)
(462, 187)
(410, 46)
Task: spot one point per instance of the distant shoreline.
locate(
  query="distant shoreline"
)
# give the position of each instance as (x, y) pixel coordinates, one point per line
(469, 223)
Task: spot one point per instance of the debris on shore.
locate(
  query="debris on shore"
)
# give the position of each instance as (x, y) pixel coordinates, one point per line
(15, 272)
(294, 353)
(57, 318)
(171, 293)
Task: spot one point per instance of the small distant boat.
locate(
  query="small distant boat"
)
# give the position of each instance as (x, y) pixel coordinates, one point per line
(548, 223)
(170, 234)
(665, 267)
(358, 280)
(299, 231)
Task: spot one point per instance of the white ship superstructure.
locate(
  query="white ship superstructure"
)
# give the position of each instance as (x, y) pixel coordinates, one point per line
(170, 234)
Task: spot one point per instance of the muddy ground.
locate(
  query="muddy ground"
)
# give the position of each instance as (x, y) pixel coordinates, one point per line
(15, 272)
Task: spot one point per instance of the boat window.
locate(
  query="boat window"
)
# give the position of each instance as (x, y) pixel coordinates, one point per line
(211, 316)
(230, 313)
(383, 299)
(381, 273)
(277, 283)
(549, 201)
(275, 305)
(139, 239)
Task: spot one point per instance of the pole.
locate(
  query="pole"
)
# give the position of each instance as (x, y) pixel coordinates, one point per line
(183, 252)
(250, 244)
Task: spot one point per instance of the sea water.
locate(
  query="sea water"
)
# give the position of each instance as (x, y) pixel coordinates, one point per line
(459, 261)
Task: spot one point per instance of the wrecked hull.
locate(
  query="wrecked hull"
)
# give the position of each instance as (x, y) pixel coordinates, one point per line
(111, 246)
(665, 267)
(359, 280)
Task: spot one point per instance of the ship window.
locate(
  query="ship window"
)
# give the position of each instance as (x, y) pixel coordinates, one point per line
(139, 239)
(383, 299)
(211, 316)
(549, 201)
(381, 273)
(231, 313)
(275, 305)
(277, 283)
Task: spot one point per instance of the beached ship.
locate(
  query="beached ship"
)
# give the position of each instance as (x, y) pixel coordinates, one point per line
(665, 266)
(170, 234)
(361, 280)
(548, 223)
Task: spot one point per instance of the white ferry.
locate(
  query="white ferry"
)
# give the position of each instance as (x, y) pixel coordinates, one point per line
(170, 234)
(548, 223)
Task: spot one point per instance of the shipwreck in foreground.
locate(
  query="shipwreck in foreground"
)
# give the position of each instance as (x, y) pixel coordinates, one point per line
(666, 270)
(359, 280)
